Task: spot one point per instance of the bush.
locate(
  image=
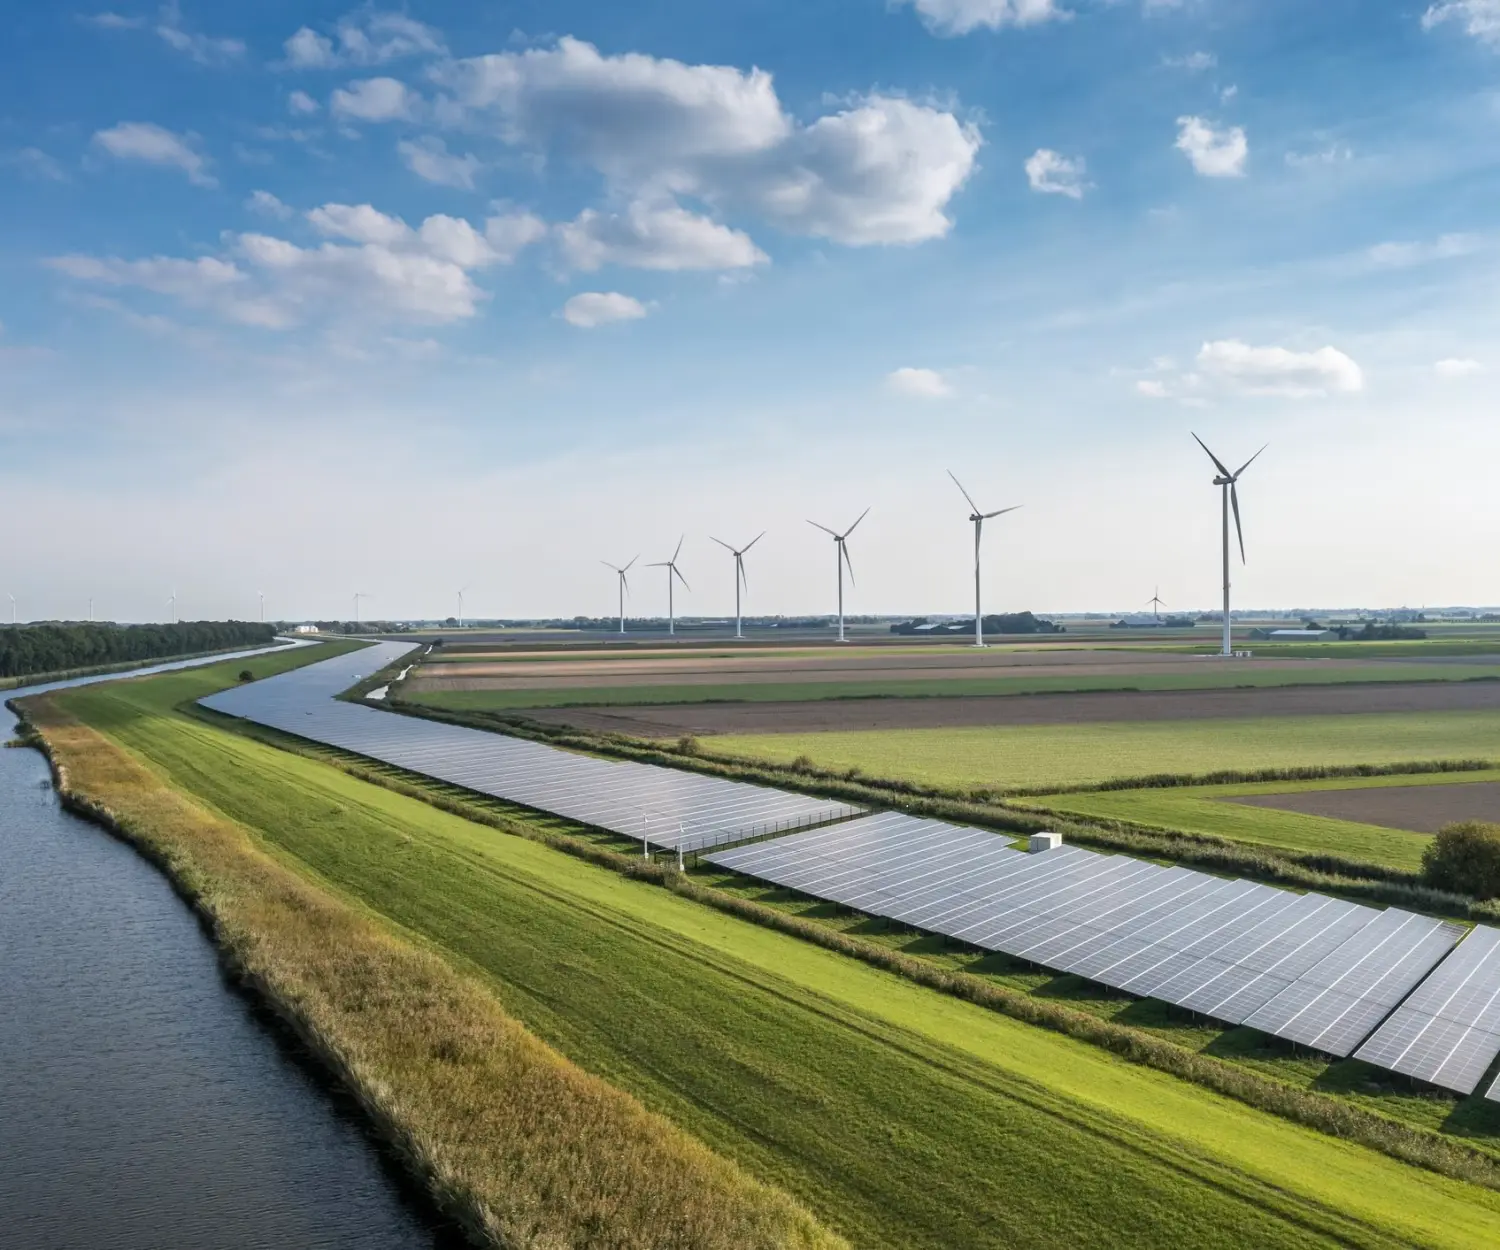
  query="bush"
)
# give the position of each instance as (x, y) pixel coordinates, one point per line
(246, 675)
(1465, 858)
(687, 745)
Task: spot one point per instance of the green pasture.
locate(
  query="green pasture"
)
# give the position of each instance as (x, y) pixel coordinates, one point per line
(903, 1117)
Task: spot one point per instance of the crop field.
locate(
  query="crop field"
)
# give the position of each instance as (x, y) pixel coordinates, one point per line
(1005, 756)
(902, 1117)
(1336, 816)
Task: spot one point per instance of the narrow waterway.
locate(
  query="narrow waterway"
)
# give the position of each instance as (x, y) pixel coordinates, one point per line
(143, 1102)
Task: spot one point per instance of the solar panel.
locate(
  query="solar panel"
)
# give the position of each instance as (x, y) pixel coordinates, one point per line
(661, 806)
(1448, 1031)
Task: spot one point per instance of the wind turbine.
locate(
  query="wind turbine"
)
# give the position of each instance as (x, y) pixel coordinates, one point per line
(358, 595)
(172, 603)
(91, 609)
(840, 559)
(740, 581)
(624, 586)
(1157, 603)
(672, 572)
(979, 518)
(1230, 499)
(261, 595)
(12, 599)
(461, 607)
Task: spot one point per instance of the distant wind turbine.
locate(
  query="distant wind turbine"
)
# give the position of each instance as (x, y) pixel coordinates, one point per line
(172, 603)
(1157, 603)
(979, 518)
(740, 581)
(12, 599)
(1230, 499)
(624, 586)
(261, 595)
(461, 607)
(91, 609)
(358, 595)
(841, 559)
(673, 573)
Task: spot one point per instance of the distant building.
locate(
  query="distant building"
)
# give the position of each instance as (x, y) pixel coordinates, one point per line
(304, 629)
(1299, 635)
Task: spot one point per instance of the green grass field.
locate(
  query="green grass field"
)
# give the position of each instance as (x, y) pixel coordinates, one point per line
(1066, 755)
(1202, 809)
(903, 1117)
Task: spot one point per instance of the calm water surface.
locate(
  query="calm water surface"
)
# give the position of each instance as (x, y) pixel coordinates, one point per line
(143, 1103)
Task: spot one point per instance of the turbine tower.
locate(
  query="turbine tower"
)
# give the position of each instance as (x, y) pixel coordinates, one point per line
(840, 559)
(172, 603)
(624, 586)
(12, 599)
(740, 580)
(673, 572)
(1225, 481)
(91, 609)
(979, 518)
(259, 594)
(461, 607)
(1157, 603)
(358, 595)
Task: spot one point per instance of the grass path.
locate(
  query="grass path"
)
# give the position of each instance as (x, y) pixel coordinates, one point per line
(902, 1117)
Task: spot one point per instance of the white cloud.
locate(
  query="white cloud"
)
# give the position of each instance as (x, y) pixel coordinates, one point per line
(301, 104)
(1193, 62)
(367, 38)
(373, 267)
(1480, 18)
(918, 383)
(268, 205)
(374, 100)
(1248, 370)
(597, 308)
(959, 17)
(142, 141)
(882, 170)
(1152, 388)
(112, 21)
(1457, 367)
(430, 159)
(1214, 153)
(204, 49)
(1333, 154)
(1054, 174)
(1396, 255)
(655, 236)
(34, 163)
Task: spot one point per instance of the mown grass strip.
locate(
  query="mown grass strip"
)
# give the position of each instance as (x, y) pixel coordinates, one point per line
(517, 1143)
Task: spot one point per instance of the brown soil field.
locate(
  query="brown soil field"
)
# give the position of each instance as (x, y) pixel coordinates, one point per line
(812, 716)
(690, 671)
(1420, 809)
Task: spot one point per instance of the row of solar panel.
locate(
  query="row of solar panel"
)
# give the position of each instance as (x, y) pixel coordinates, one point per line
(1306, 967)
(662, 806)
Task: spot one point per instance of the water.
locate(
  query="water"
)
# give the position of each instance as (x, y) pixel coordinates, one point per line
(143, 1102)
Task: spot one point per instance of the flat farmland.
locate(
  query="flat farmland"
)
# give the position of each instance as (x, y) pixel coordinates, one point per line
(1423, 808)
(1014, 756)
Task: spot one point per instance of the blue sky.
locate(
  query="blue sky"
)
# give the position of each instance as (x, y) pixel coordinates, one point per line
(313, 299)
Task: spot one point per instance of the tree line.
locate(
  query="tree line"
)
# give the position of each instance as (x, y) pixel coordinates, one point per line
(50, 648)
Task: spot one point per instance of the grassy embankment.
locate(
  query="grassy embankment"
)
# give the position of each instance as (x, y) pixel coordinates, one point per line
(760, 689)
(521, 1146)
(904, 1117)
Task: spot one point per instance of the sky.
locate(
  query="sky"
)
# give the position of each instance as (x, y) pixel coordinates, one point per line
(306, 299)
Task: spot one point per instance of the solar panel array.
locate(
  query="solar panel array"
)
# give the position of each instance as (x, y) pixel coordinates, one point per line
(1448, 1032)
(666, 807)
(1303, 966)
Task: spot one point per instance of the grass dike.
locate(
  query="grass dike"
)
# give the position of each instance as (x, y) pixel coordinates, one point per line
(517, 1144)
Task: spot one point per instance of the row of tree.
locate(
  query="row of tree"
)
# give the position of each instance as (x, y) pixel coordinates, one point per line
(52, 648)
(1001, 623)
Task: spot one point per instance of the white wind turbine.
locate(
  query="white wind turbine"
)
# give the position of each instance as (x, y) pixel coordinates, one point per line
(979, 518)
(261, 595)
(740, 581)
(1225, 481)
(624, 586)
(840, 560)
(673, 573)
(461, 607)
(358, 596)
(172, 603)
(12, 599)
(1157, 603)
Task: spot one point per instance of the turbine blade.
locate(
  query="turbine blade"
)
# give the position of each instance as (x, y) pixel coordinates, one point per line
(680, 577)
(722, 543)
(1249, 462)
(815, 525)
(962, 491)
(1218, 464)
(1234, 500)
(608, 565)
(753, 541)
(633, 559)
(678, 552)
(660, 564)
(1001, 511)
(843, 547)
(739, 563)
(855, 526)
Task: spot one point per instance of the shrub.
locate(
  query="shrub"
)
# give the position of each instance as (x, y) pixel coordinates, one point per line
(687, 745)
(246, 675)
(1465, 857)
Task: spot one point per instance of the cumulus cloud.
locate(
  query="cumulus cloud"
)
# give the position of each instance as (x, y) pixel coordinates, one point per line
(959, 17)
(1193, 62)
(374, 100)
(1214, 153)
(881, 170)
(111, 21)
(1479, 18)
(1152, 388)
(1279, 371)
(654, 236)
(367, 38)
(268, 205)
(34, 163)
(143, 141)
(430, 160)
(301, 104)
(597, 308)
(1457, 367)
(918, 383)
(204, 49)
(371, 266)
(1054, 174)
(1402, 255)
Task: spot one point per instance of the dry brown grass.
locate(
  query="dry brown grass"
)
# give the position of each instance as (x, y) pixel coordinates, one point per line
(524, 1148)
